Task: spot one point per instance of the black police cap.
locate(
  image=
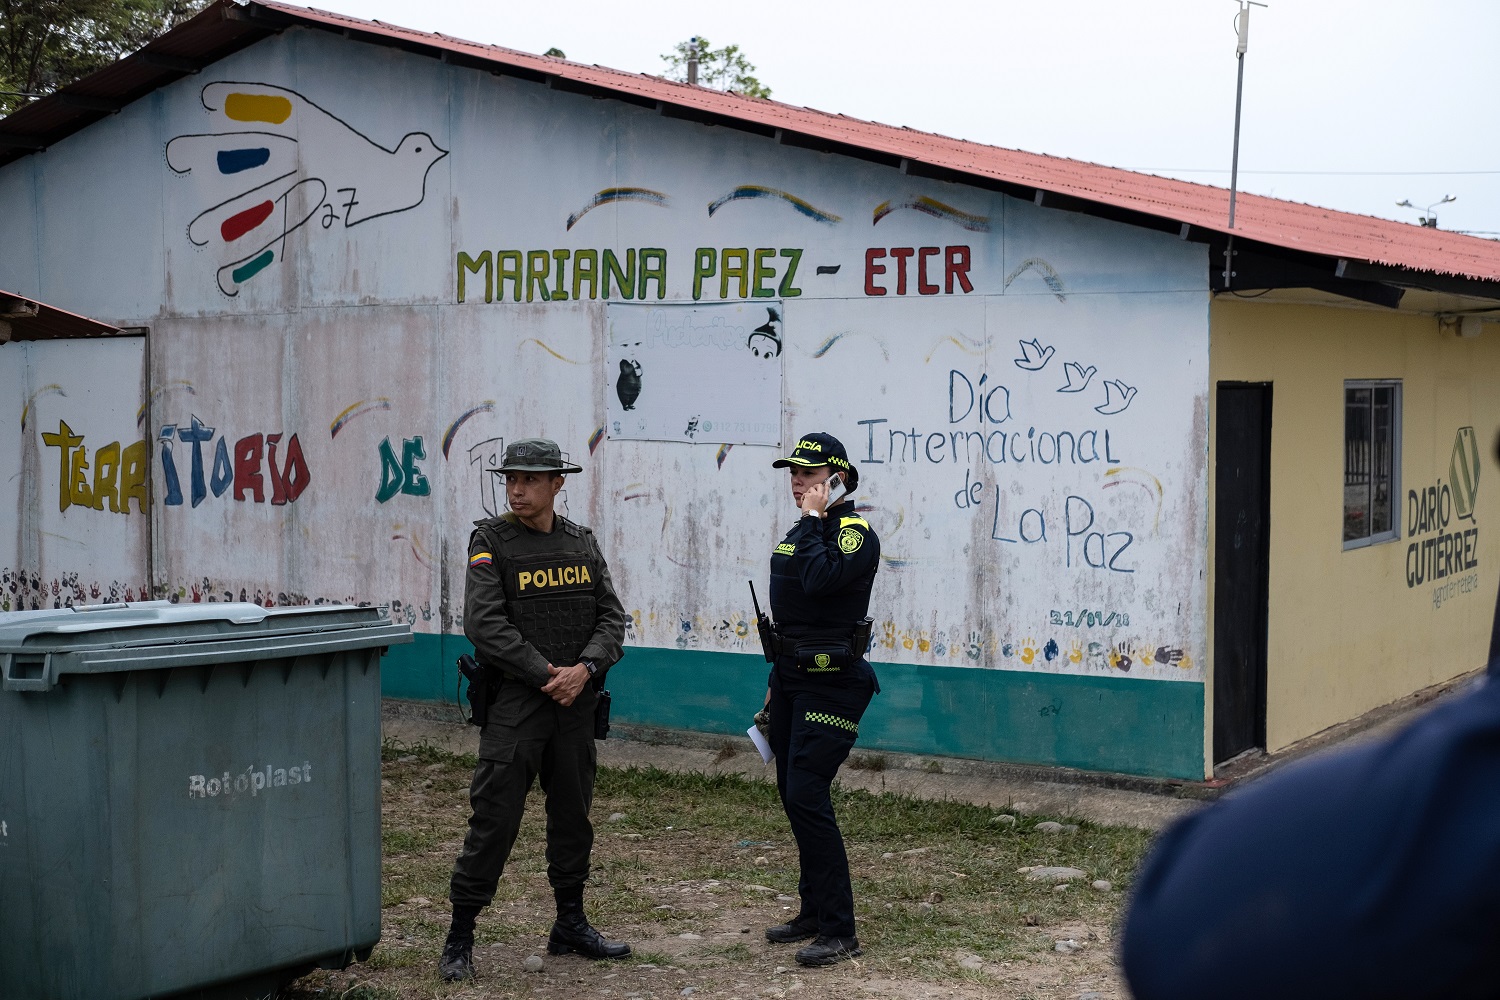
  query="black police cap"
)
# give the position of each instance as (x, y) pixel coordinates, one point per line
(821, 449)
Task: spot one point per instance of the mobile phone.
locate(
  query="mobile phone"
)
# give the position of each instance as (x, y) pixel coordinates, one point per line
(836, 489)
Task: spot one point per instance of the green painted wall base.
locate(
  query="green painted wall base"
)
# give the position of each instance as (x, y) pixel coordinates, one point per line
(1119, 724)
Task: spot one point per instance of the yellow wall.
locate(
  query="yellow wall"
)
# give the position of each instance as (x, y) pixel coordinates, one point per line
(1346, 633)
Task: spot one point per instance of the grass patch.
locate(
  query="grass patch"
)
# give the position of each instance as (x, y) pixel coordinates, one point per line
(705, 855)
(730, 952)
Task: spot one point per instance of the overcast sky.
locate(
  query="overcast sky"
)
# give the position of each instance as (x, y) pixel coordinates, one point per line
(1353, 106)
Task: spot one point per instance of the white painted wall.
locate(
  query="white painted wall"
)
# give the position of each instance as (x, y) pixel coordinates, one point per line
(353, 341)
(75, 528)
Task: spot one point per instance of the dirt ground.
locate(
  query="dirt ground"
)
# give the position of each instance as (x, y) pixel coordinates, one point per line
(729, 957)
(940, 917)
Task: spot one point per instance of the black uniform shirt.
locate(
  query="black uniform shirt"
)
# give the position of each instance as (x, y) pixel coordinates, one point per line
(822, 573)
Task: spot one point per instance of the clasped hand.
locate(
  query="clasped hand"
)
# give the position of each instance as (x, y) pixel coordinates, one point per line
(565, 683)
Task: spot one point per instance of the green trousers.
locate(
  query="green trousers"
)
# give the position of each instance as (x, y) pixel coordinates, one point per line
(529, 736)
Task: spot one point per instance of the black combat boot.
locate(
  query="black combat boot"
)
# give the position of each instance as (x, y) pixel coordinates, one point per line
(572, 932)
(828, 950)
(457, 962)
(802, 927)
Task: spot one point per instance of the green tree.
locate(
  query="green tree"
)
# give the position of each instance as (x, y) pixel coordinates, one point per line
(722, 69)
(47, 44)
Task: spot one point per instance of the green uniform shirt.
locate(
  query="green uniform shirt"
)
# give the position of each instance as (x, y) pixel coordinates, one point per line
(511, 566)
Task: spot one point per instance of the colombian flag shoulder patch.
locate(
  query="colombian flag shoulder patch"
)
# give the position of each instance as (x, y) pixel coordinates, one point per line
(481, 559)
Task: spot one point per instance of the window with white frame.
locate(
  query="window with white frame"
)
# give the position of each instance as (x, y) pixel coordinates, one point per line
(1372, 461)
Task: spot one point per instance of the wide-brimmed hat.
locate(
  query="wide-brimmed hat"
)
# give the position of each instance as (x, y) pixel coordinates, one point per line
(534, 455)
(821, 449)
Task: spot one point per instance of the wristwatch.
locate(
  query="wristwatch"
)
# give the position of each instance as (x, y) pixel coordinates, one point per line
(812, 513)
(593, 668)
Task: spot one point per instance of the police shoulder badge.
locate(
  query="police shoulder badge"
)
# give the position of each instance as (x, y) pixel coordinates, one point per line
(850, 539)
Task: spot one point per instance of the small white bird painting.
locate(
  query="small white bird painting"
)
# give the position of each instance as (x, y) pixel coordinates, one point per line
(287, 162)
(1034, 356)
(1117, 396)
(1078, 376)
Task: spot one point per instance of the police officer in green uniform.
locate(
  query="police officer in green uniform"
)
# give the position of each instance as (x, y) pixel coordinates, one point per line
(546, 625)
(821, 683)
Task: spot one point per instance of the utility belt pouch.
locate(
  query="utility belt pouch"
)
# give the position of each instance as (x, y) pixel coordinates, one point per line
(860, 639)
(482, 689)
(601, 714)
(823, 657)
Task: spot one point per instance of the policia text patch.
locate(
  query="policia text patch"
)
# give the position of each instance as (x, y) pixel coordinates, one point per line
(553, 578)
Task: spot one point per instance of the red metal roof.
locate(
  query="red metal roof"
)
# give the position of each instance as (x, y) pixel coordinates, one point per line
(22, 318)
(1269, 220)
(1394, 248)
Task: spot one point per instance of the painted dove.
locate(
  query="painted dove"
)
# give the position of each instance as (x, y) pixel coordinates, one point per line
(289, 162)
(1078, 376)
(1117, 396)
(1034, 356)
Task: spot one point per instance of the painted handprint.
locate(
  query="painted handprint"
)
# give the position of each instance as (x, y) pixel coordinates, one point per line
(974, 648)
(1171, 656)
(287, 162)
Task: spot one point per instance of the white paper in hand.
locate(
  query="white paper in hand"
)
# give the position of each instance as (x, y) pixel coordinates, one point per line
(760, 743)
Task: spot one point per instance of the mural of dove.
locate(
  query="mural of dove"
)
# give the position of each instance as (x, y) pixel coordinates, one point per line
(1117, 396)
(628, 385)
(1078, 376)
(1034, 356)
(283, 162)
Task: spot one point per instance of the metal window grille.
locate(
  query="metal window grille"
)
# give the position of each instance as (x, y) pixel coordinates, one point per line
(1372, 429)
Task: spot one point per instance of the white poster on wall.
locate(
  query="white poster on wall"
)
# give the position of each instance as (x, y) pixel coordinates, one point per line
(696, 373)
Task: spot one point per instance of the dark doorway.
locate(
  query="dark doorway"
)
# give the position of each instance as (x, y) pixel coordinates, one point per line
(1242, 537)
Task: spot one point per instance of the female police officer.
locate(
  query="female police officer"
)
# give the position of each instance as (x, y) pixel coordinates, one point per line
(821, 575)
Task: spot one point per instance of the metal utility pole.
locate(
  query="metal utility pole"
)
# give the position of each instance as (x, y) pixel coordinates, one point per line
(1242, 30)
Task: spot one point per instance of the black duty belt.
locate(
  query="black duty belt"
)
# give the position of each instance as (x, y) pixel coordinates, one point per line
(778, 644)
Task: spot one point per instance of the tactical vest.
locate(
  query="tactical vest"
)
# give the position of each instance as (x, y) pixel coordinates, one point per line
(549, 585)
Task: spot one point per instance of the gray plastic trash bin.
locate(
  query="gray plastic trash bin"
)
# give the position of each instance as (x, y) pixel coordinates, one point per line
(189, 796)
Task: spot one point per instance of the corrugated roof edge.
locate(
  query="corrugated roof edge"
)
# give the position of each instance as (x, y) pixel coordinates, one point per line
(1381, 250)
(25, 318)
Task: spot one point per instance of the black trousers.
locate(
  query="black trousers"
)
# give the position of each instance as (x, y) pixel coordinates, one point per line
(550, 742)
(814, 722)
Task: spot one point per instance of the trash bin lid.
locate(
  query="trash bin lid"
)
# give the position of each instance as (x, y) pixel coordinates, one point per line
(16, 627)
(37, 647)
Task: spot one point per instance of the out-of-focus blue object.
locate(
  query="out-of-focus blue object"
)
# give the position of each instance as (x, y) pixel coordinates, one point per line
(1371, 872)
